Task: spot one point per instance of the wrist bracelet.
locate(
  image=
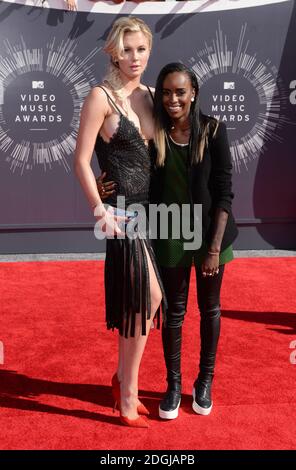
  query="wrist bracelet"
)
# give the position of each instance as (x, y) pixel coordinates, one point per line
(214, 253)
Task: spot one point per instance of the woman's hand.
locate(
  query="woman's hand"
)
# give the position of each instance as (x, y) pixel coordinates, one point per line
(109, 223)
(210, 266)
(71, 4)
(105, 189)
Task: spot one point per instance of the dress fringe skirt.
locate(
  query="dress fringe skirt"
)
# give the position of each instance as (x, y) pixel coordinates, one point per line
(127, 284)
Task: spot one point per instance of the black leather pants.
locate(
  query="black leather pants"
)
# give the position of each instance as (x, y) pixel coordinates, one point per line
(176, 285)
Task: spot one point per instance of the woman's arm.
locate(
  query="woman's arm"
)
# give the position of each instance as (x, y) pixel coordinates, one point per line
(222, 195)
(218, 229)
(221, 184)
(221, 173)
(93, 114)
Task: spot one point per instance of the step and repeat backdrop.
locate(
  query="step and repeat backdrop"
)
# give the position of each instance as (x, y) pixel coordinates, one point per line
(243, 53)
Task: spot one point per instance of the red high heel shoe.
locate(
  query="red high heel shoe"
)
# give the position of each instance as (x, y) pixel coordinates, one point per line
(142, 410)
(139, 422)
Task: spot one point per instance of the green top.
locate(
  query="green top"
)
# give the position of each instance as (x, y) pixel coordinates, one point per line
(170, 252)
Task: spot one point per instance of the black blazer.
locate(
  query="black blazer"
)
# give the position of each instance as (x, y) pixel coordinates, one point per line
(210, 185)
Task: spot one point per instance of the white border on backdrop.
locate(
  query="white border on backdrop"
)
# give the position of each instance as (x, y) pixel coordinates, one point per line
(146, 8)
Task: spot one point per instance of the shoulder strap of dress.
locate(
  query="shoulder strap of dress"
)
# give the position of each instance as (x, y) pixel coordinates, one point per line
(152, 97)
(110, 99)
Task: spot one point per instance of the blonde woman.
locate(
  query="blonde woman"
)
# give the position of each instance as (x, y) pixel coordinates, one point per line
(117, 122)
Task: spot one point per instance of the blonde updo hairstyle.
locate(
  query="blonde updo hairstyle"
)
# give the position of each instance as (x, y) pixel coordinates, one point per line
(114, 47)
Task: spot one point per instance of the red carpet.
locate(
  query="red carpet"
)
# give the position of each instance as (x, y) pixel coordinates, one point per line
(59, 358)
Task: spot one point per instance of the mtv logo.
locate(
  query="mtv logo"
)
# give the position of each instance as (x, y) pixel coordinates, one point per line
(37, 84)
(229, 86)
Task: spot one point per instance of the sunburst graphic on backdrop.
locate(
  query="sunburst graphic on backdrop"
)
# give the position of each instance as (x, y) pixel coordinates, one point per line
(244, 92)
(41, 94)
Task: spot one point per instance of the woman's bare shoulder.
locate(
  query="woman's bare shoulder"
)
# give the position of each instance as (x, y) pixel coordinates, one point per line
(145, 86)
(97, 93)
(148, 93)
(97, 98)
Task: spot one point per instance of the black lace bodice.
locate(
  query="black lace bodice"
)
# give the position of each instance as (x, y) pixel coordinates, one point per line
(127, 161)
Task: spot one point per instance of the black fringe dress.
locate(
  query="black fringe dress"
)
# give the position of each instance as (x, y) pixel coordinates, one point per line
(127, 161)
